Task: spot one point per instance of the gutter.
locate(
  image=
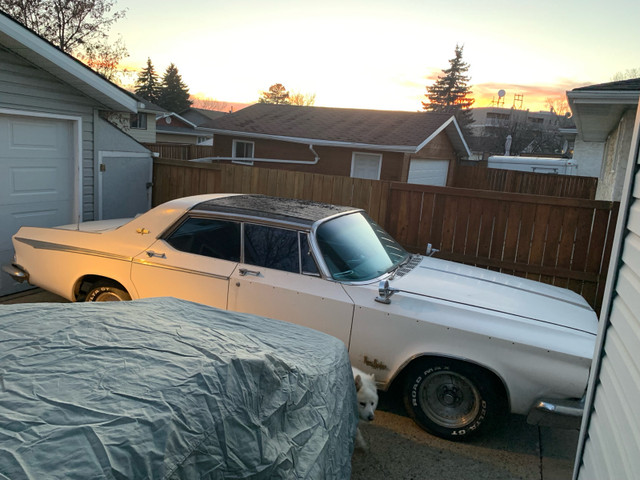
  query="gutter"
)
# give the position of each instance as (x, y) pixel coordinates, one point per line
(266, 160)
(603, 97)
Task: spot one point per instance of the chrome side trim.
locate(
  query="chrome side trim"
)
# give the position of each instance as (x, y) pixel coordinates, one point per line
(147, 263)
(42, 245)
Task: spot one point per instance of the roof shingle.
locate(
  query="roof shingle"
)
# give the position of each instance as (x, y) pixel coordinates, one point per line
(371, 127)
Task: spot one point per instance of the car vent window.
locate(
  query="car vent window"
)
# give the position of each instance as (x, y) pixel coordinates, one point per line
(309, 266)
(208, 237)
(271, 247)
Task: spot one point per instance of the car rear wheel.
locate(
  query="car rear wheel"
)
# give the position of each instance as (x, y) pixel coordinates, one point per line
(452, 399)
(107, 292)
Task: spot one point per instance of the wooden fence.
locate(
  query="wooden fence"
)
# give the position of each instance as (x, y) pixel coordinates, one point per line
(180, 152)
(562, 241)
(514, 181)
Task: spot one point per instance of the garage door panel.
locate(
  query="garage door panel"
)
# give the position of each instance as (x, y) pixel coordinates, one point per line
(36, 179)
(38, 184)
(27, 138)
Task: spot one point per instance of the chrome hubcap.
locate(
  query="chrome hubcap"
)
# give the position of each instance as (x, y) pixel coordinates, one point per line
(449, 399)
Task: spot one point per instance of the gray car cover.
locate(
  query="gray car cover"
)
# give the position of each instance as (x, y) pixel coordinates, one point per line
(168, 389)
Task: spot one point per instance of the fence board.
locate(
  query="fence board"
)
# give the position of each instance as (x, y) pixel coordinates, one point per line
(483, 178)
(558, 240)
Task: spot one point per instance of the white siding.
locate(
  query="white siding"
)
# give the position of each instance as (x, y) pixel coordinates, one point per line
(26, 88)
(610, 439)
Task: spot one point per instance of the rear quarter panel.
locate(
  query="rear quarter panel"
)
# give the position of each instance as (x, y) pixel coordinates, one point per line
(57, 257)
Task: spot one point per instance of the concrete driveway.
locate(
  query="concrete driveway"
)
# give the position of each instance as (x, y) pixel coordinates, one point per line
(400, 450)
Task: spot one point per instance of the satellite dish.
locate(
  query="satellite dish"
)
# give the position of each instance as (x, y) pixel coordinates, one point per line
(501, 93)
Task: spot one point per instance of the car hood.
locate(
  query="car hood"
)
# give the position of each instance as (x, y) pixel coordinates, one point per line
(480, 288)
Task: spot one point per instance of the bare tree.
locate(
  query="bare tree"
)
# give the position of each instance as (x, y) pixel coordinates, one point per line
(105, 59)
(628, 74)
(303, 99)
(78, 27)
(558, 106)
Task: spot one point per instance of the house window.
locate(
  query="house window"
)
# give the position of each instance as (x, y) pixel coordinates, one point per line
(138, 121)
(242, 149)
(366, 165)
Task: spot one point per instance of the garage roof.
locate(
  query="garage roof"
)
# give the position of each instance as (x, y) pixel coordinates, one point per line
(341, 127)
(597, 109)
(25, 43)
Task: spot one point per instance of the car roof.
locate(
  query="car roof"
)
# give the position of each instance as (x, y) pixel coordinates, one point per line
(289, 210)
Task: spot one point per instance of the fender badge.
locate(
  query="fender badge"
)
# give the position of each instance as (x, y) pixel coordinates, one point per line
(142, 231)
(375, 363)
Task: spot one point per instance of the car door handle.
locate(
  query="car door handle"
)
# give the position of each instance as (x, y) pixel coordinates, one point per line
(244, 272)
(151, 253)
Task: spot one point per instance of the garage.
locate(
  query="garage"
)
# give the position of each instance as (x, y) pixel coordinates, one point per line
(428, 172)
(37, 160)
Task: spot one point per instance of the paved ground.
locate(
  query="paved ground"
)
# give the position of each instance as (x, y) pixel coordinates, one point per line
(400, 450)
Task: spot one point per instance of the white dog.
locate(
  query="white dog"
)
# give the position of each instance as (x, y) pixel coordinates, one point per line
(367, 401)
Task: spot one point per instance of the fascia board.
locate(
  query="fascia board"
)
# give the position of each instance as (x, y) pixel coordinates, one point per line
(173, 114)
(317, 142)
(33, 48)
(604, 97)
(453, 123)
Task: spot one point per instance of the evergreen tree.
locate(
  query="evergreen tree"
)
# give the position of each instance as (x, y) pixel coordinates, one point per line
(450, 93)
(148, 84)
(174, 94)
(277, 94)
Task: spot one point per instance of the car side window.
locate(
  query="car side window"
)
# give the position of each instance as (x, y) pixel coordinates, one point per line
(208, 237)
(271, 247)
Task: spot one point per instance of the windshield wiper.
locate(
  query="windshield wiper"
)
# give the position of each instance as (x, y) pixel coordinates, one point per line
(392, 271)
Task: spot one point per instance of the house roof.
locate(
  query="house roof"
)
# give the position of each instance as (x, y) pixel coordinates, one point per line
(148, 106)
(597, 109)
(201, 115)
(373, 129)
(178, 125)
(36, 50)
(632, 84)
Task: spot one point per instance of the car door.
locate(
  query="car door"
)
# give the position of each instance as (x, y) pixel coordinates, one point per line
(194, 261)
(279, 279)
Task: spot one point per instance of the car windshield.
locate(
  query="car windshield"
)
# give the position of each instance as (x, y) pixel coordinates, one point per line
(355, 248)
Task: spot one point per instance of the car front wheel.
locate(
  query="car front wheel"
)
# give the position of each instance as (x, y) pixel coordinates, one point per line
(106, 292)
(452, 399)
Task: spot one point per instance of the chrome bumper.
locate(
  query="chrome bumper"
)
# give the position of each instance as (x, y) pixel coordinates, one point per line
(556, 413)
(16, 272)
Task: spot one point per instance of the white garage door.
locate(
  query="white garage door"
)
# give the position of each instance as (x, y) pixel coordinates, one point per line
(36, 179)
(428, 172)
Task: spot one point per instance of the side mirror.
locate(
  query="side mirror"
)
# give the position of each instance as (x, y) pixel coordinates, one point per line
(385, 292)
(430, 250)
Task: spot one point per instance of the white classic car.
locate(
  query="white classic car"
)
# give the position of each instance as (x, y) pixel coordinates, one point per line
(468, 345)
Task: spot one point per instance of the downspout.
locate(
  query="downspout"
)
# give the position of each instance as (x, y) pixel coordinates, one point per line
(267, 160)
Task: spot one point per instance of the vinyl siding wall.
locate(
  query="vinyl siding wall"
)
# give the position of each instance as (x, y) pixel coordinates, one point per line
(610, 437)
(24, 87)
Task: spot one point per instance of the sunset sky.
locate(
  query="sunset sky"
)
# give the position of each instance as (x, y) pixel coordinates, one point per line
(382, 54)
